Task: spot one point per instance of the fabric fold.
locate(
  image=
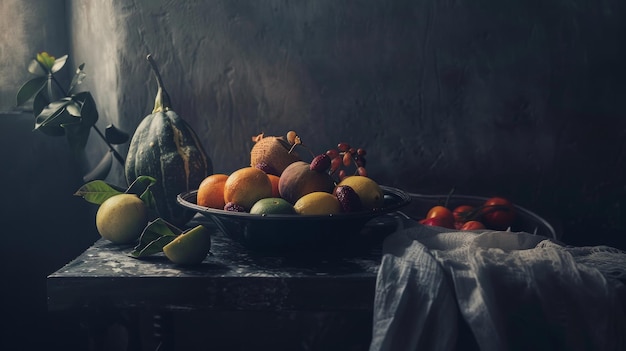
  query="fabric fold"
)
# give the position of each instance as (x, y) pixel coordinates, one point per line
(515, 291)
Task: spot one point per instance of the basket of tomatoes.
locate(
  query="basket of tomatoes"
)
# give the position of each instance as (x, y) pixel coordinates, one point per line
(466, 212)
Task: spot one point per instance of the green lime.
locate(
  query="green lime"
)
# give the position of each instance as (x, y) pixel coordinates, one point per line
(272, 205)
(190, 247)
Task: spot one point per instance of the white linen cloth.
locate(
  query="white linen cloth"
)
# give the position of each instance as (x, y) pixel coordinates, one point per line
(515, 291)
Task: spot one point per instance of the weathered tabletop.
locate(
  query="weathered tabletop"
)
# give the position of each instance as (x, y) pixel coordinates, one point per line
(230, 278)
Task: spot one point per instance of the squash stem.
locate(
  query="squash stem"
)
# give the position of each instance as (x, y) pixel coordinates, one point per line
(162, 100)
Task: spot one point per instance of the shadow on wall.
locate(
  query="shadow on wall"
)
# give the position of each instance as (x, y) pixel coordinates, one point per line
(43, 225)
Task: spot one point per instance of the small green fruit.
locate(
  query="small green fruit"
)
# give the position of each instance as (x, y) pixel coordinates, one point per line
(190, 247)
(272, 205)
(122, 218)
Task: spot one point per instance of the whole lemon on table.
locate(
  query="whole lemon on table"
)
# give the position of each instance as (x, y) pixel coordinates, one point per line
(122, 218)
(369, 191)
(317, 203)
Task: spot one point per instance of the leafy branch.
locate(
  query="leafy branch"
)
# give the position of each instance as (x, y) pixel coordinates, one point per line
(60, 112)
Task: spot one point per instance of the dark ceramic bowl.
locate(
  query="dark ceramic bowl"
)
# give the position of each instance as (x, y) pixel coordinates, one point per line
(292, 233)
(525, 220)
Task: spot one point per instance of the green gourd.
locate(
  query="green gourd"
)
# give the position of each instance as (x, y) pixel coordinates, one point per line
(165, 147)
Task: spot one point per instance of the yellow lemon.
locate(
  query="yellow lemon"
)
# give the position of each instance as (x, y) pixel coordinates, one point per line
(317, 203)
(121, 218)
(369, 191)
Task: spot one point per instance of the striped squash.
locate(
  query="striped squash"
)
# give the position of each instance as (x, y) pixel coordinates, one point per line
(165, 147)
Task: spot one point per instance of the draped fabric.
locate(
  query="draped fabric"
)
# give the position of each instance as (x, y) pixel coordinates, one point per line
(515, 291)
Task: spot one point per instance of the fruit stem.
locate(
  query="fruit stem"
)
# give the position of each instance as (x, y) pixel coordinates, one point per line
(162, 100)
(302, 145)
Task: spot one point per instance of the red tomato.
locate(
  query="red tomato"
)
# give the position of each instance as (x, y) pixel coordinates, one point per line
(498, 213)
(444, 216)
(435, 221)
(461, 213)
(472, 225)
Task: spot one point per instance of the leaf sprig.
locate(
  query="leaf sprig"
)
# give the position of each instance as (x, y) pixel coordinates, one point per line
(61, 112)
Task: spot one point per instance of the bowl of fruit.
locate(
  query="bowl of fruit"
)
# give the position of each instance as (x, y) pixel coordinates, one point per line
(468, 212)
(295, 233)
(282, 203)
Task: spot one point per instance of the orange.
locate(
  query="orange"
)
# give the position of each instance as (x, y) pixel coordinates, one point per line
(211, 191)
(274, 179)
(246, 186)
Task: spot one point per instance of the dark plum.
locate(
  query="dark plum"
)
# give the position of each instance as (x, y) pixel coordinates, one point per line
(348, 198)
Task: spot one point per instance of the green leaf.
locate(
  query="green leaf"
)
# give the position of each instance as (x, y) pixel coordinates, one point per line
(29, 89)
(40, 102)
(97, 191)
(35, 68)
(54, 131)
(88, 110)
(115, 136)
(46, 60)
(157, 234)
(148, 198)
(79, 76)
(54, 122)
(140, 185)
(53, 114)
(73, 109)
(58, 64)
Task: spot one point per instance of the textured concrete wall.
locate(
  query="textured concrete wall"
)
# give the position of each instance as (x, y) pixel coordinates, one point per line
(522, 100)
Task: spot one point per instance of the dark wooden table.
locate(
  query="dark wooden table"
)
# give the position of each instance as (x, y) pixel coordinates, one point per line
(104, 278)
